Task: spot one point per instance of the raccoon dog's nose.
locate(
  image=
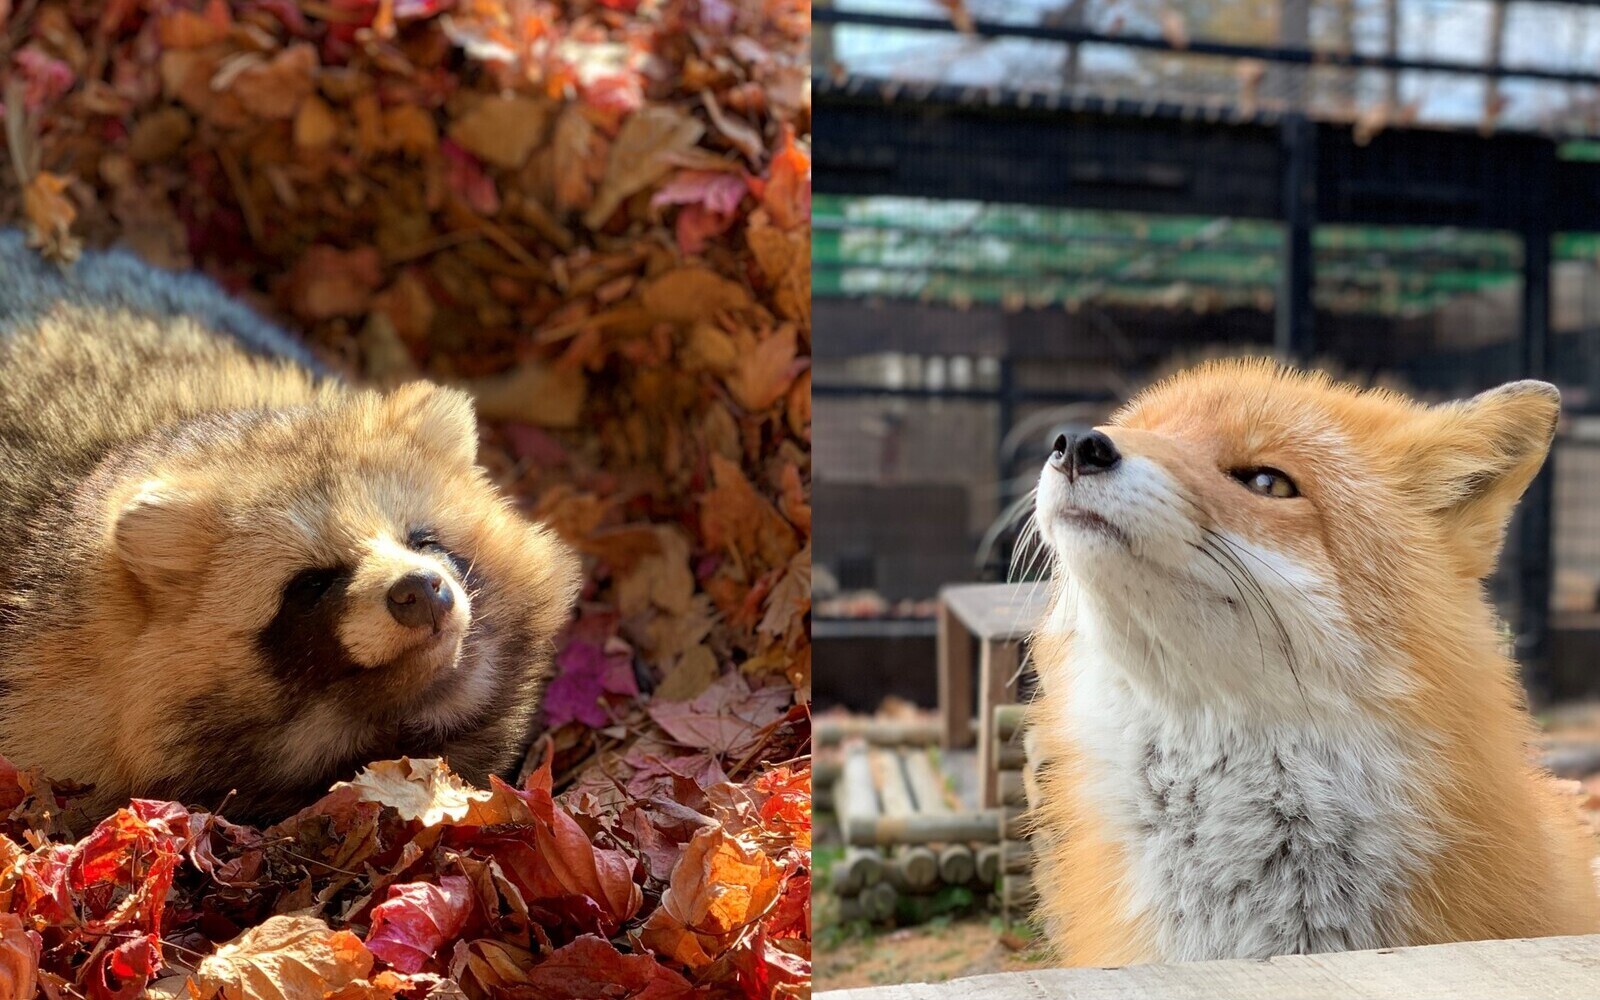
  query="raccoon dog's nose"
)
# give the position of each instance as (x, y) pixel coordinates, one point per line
(1085, 454)
(420, 599)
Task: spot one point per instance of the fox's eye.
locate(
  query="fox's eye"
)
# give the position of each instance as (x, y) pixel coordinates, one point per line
(1267, 482)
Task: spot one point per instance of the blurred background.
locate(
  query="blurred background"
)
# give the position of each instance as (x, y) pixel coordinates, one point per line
(1026, 210)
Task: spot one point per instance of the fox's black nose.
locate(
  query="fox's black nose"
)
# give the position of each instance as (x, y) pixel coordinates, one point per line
(420, 599)
(1085, 454)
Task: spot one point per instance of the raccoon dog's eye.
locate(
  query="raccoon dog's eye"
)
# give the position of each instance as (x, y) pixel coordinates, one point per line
(424, 538)
(309, 586)
(1267, 482)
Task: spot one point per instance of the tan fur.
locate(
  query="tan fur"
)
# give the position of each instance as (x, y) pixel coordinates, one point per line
(159, 487)
(1407, 509)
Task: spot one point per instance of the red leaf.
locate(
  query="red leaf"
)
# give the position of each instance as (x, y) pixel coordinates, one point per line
(131, 964)
(594, 968)
(727, 717)
(417, 919)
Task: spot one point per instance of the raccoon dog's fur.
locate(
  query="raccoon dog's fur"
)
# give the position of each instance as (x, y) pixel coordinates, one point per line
(223, 572)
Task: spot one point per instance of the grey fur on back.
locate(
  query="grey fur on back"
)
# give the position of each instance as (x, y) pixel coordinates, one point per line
(118, 280)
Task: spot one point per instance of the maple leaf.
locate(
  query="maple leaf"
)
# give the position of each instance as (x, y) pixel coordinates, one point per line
(417, 919)
(720, 886)
(19, 958)
(727, 718)
(424, 790)
(285, 958)
(735, 517)
(590, 966)
(586, 672)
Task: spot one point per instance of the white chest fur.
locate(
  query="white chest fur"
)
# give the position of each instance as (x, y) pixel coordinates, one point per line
(1245, 841)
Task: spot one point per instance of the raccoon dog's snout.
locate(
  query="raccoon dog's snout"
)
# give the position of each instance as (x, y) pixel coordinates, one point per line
(420, 599)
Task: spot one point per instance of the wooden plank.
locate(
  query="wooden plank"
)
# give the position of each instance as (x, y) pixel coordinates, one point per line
(998, 661)
(1566, 968)
(997, 611)
(955, 678)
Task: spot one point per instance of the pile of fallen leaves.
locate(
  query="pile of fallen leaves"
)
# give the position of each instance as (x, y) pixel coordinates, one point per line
(595, 216)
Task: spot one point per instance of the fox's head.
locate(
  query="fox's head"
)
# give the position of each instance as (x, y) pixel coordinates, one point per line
(1249, 533)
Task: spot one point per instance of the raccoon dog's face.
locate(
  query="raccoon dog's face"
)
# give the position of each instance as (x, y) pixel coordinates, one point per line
(323, 585)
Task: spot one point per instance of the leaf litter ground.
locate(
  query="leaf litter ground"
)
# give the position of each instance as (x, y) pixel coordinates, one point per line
(594, 216)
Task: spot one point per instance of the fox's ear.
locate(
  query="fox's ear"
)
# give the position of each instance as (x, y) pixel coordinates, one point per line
(443, 419)
(164, 533)
(1477, 457)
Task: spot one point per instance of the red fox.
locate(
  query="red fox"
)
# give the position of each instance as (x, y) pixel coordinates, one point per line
(1274, 715)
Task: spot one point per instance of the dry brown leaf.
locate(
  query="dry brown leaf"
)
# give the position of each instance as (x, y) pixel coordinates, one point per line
(504, 131)
(764, 374)
(423, 789)
(285, 958)
(694, 672)
(735, 517)
(692, 294)
(275, 88)
(785, 258)
(662, 580)
(640, 156)
(50, 215)
(534, 393)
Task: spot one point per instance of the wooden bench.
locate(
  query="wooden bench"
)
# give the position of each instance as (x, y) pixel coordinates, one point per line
(999, 616)
(1566, 968)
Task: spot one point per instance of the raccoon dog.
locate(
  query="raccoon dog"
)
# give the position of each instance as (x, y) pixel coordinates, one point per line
(225, 572)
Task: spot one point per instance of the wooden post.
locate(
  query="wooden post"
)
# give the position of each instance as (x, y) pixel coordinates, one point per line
(997, 670)
(955, 678)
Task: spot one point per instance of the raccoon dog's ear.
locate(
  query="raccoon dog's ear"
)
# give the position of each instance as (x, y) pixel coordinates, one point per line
(1477, 458)
(164, 532)
(442, 419)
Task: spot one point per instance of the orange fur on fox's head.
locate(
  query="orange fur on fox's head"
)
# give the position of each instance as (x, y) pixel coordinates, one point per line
(1299, 530)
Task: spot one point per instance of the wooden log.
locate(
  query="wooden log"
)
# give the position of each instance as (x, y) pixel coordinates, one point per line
(826, 770)
(877, 903)
(957, 865)
(855, 797)
(1016, 857)
(834, 731)
(1010, 755)
(989, 862)
(894, 795)
(1013, 788)
(927, 784)
(917, 865)
(861, 868)
(1018, 896)
(966, 827)
(956, 862)
(1008, 720)
(1014, 823)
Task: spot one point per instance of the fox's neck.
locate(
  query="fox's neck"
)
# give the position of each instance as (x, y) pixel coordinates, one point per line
(1248, 831)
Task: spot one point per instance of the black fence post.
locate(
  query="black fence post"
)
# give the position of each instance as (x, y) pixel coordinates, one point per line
(1294, 320)
(1534, 541)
